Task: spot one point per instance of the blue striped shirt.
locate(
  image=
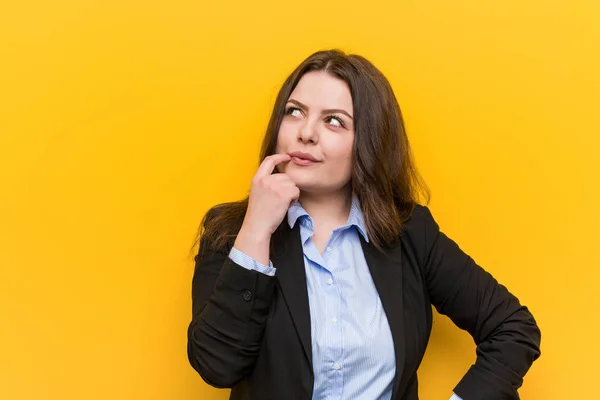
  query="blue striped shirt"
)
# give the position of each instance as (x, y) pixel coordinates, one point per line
(352, 347)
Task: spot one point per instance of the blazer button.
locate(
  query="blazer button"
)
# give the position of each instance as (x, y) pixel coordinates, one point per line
(247, 295)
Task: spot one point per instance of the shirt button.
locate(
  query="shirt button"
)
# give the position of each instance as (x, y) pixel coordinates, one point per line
(336, 366)
(334, 320)
(247, 295)
(330, 281)
(328, 249)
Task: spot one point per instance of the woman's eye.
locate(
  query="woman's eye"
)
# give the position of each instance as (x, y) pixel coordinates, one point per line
(336, 122)
(294, 112)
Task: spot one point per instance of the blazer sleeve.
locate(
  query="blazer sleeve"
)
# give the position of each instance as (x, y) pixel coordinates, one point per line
(505, 332)
(230, 305)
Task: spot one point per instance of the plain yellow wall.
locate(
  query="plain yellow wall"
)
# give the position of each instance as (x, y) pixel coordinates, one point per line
(121, 123)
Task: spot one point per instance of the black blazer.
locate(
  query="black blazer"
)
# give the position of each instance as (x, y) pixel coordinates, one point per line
(251, 332)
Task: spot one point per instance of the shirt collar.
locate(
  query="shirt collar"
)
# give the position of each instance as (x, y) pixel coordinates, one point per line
(355, 218)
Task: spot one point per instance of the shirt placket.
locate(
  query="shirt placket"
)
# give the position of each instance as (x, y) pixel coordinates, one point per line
(333, 323)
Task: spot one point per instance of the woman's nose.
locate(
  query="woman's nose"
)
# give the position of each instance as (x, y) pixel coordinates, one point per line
(308, 132)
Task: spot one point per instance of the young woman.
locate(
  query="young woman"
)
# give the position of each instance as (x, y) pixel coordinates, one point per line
(319, 284)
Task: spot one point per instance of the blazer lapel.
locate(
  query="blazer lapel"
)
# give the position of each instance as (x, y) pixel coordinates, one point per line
(288, 258)
(386, 271)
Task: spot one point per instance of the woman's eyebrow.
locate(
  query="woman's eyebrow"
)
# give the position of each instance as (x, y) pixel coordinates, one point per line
(328, 111)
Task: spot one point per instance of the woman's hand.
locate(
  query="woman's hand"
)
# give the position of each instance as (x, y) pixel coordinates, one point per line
(270, 197)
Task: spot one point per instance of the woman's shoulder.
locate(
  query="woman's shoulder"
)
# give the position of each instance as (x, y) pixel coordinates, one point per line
(420, 214)
(420, 227)
(221, 224)
(229, 211)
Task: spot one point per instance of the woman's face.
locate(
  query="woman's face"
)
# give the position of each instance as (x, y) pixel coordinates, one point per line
(318, 121)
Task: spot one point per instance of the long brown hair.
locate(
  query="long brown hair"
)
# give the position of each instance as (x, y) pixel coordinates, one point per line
(384, 176)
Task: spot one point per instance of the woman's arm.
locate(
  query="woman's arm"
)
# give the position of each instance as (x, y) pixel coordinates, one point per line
(505, 332)
(230, 305)
(231, 295)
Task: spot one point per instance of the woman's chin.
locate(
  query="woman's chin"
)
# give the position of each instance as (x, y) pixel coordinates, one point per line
(304, 184)
(305, 181)
(298, 177)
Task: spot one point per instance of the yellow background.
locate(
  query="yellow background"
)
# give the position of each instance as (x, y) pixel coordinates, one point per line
(121, 123)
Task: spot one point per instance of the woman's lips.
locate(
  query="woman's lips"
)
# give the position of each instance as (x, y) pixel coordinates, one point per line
(302, 161)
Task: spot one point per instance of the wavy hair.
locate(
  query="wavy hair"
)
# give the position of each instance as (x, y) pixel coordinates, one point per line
(384, 176)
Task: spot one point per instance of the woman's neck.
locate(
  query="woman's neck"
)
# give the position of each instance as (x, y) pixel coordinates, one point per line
(328, 211)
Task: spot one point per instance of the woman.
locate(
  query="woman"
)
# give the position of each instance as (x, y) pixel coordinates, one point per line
(319, 284)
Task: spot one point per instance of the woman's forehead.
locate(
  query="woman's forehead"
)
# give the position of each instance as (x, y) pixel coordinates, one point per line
(321, 90)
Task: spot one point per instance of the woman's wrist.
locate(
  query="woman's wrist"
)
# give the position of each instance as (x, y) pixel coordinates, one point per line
(254, 243)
